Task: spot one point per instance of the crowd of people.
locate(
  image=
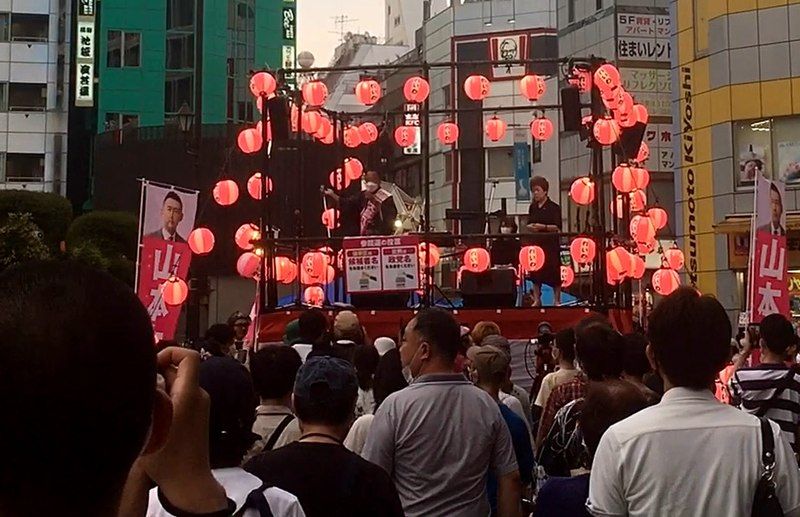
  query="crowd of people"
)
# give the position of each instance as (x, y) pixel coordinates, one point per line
(99, 420)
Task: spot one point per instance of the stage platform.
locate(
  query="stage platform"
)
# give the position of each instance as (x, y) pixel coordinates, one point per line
(515, 323)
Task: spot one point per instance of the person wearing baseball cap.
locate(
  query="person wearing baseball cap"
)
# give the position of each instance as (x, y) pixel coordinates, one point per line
(327, 478)
(510, 391)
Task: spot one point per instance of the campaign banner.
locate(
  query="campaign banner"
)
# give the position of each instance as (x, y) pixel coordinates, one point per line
(166, 218)
(381, 264)
(768, 289)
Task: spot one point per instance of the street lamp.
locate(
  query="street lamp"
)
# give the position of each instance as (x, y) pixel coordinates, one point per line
(185, 118)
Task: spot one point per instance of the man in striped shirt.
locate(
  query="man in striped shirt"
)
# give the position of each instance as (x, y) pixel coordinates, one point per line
(772, 388)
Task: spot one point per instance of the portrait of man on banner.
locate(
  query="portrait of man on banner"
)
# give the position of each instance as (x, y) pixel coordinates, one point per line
(170, 217)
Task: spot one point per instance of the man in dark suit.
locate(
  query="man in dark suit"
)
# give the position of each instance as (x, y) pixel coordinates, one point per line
(171, 217)
(774, 227)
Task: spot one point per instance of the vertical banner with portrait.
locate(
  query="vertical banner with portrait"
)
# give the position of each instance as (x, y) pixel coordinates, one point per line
(768, 289)
(166, 218)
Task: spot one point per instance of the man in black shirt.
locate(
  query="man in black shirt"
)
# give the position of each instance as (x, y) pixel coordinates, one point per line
(370, 212)
(326, 477)
(544, 217)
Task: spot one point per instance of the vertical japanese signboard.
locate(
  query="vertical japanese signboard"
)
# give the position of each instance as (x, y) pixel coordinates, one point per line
(644, 37)
(84, 54)
(381, 264)
(289, 31)
(411, 118)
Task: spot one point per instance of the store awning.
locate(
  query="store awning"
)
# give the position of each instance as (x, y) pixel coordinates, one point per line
(741, 224)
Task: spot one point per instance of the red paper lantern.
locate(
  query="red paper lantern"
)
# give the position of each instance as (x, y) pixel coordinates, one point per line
(327, 254)
(285, 270)
(329, 138)
(643, 154)
(582, 190)
(368, 132)
(645, 248)
(245, 234)
(583, 250)
(496, 129)
(405, 136)
(352, 139)
(368, 92)
(259, 128)
(250, 140)
(254, 185)
(262, 83)
(659, 217)
(606, 131)
(201, 241)
(339, 180)
(311, 122)
(618, 264)
(541, 129)
(416, 89)
(477, 260)
(174, 291)
(623, 179)
(477, 87)
(666, 281)
(610, 98)
(331, 219)
(638, 200)
(532, 87)
(607, 78)
(625, 115)
(428, 255)
(531, 258)
(567, 276)
(353, 168)
(638, 267)
(447, 132)
(315, 93)
(642, 229)
(325, 128)
(329, 275)
(314, 295)
(248, 264)
(674, 258)
(641, 114)
(581, 78)
(226, 192)
(313, 264)
(640, 177)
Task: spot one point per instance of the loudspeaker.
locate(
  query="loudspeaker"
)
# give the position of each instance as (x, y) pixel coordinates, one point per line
(278, 109)
(631, 139)
(493, 288)
(571, 108)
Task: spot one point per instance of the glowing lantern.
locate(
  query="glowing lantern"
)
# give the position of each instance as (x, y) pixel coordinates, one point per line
(353, 168)
(328, 139)
(583, 250)
(313, 264)
(531, 258)
(174, 291)
(314, 295)
(254, 185)
(416, 89)
(638, 200)
(532, 87)
(339, 180)
(477, 260)
(640, 177)
(329, 275)
(405, 136)
(447, 132)
(311, 122)
(250, 140)
(618, 263)
(429, 255)
(582, 190)
(285, 270)
(351, 137)
(368, 92)
(581, 78)
(263, 83)
(674, 258)
(244, 236)
(610, 98)
(658, 216)
(625, 114)
(368, 132)
(496, 129)
(623, 179)
(606, 131)
(248, 264)
(226, 192)
(315, 93)
(325, 128)
(607, 78)
(201, 241)
(642, 229)
(327, 254)
(666, 281)
(259, 128)
(541, 129)
(331, 219)
(477, 87)
(638, 267)
(645, 248)
(567, 276)
(643, 154)
(640, 112)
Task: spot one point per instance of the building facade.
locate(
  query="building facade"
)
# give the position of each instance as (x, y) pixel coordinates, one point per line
(34, 94)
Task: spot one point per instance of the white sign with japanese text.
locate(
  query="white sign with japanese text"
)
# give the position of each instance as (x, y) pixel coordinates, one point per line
(644, 37)
(381, 264)
(411, 118)
(658, 138)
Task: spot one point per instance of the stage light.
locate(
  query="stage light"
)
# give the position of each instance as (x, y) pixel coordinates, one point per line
(532, 87)
(201, 241)
(174, 291)
(398, 223)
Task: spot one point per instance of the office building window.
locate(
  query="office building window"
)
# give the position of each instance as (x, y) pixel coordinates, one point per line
(500, 162)
(116, 121)
(180, 14)
(396, 21)
(24, 167)
(178, 88)
(4, 29)
(598, 4)
(29, 27)
(570, 11)
(180, 51)
(448, 166)
(241, 59)
(3, 96)
(124, 49)
(27, 97)
(771, 146)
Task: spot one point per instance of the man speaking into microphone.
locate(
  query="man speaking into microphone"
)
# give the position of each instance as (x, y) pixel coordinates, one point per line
(370, 212)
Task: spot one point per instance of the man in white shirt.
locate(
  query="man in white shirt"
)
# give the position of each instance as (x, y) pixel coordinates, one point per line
(690, 455)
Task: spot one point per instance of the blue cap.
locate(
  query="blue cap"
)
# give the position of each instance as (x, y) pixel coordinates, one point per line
(320, 372)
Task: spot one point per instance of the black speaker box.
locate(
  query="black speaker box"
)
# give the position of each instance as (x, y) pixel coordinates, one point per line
(630, 140)
(571, 108)
(493, 288)
(278, 109)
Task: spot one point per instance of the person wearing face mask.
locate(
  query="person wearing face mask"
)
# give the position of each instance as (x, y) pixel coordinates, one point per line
(370, 212)
(505, 250)
(440, 437)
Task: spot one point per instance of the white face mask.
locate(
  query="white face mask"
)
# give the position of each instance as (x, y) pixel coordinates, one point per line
(505, 229)
(407, 373)
(372, 187)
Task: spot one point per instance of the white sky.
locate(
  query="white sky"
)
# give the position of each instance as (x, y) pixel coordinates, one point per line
(318, 31)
